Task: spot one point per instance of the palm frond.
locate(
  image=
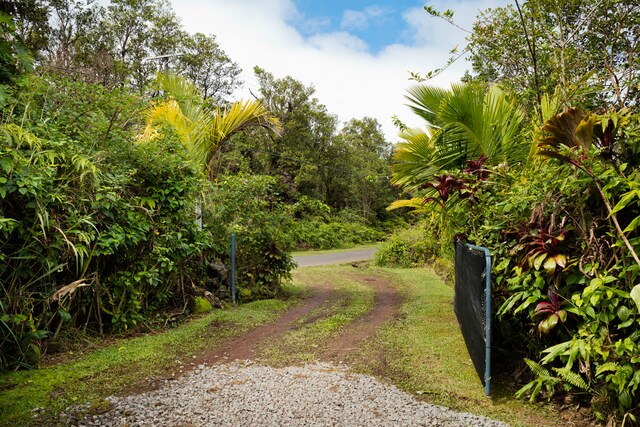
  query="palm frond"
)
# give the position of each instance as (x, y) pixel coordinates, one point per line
(425, 101)
(415, 203)
(201, 128)
(223, 122)
(413, 159)
(464, 122)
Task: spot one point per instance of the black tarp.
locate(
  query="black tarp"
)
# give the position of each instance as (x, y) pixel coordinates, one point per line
(470, 303)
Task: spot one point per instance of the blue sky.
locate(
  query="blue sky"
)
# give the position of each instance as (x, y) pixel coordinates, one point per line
(356, 53)
(379, 23)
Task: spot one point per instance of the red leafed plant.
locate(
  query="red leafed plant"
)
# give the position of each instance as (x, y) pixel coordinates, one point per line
(476, 167)
(445, 185)
(542, 248)
(553, 310)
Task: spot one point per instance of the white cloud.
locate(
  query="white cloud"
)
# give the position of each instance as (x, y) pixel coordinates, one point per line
(316, 24)
(359, 19)
(339, 43)
(349, 80)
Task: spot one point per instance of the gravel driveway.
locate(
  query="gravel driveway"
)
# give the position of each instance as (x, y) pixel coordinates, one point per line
(247, 394)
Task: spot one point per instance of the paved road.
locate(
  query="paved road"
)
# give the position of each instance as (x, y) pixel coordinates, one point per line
(342, 257)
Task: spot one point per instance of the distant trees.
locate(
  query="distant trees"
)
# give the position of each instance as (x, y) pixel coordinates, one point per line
(586, 50)
(346, 169)
(121, 44)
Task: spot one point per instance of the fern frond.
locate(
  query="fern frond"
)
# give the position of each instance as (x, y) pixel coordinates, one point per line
(538, 370)
(572, 378)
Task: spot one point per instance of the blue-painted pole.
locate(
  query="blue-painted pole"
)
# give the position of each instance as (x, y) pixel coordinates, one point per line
(233, 268)
(487, 332)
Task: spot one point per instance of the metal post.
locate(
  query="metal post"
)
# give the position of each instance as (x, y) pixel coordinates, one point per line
(233, 268)
(487, 333)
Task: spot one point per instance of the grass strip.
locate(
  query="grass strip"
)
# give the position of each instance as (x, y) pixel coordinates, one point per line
(423, 353)
(314, 330)
(122, 367)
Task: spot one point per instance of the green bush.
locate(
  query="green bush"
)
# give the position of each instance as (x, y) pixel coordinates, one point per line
(564, 233)
(330, 234)
(405, 248)
(248, 206)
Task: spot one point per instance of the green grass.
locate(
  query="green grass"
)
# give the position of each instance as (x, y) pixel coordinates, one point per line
(423, 352)
(316, 328)
(118, 368)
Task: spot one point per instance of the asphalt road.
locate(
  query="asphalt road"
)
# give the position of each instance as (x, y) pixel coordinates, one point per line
(342, 257)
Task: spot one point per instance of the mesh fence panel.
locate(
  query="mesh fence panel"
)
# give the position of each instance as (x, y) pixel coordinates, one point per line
(470, 304)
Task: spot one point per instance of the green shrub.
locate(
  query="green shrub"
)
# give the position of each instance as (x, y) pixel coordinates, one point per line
(248, 206)
(564, 233)
(331, 233)
(405, 248)
(96, 231)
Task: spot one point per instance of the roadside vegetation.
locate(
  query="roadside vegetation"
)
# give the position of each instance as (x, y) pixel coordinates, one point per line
(421, 351)
(538, 159)
(121, 186)
(124, 365)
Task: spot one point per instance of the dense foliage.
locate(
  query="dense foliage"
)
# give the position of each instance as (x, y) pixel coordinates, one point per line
(558, 205)
(563, 230)
(563, 221)
(120, 187)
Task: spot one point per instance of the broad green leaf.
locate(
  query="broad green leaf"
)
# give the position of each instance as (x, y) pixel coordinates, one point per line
(626, 324)
(64, 314)
(538, 260)
(623, 313)
(562, 314)
(625, 399)
(635, 295)
(550, 265)
(589, 311)
(625, 200)
(554, 351)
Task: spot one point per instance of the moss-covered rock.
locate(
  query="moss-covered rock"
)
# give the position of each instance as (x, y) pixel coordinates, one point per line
(201, 305)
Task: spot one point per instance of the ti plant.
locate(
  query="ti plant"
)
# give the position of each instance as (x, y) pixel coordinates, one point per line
(445, 185)
(542, 248)
(553, 311)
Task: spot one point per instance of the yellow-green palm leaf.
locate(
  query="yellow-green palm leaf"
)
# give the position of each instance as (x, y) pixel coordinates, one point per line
(201, 128)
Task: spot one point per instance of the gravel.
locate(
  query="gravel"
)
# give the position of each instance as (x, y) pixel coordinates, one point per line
(248, 394)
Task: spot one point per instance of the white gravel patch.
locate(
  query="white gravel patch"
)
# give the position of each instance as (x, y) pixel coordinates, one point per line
(248, 394)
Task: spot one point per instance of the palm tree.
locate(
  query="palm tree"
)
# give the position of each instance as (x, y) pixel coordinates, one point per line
(463, 124)
(201, 127)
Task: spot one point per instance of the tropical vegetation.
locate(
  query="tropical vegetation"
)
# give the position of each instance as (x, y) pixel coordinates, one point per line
(125, 167)
(545, 172)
